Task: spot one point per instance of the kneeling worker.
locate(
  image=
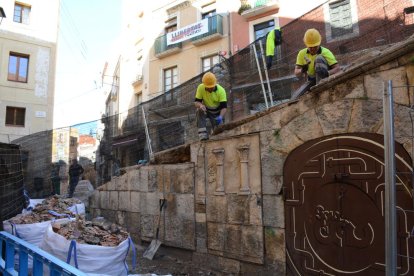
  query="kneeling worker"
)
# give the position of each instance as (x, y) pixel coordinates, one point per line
(315, 61)
(211, 103)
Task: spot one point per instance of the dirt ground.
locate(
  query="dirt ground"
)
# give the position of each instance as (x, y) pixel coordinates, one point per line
(168, 261)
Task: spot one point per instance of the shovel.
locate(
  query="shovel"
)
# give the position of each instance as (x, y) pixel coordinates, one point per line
(155, 244)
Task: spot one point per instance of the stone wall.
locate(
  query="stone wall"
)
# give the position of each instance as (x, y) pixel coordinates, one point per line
(226, 205)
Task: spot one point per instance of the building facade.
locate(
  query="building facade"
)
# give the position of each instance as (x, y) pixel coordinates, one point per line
(28, 42)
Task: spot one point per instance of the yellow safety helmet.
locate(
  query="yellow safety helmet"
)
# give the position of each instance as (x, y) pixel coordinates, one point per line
(312, 38)
(209, 80)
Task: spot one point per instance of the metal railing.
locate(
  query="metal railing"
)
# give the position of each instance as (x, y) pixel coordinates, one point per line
(215, 26)
(40, 259)
(160, 45)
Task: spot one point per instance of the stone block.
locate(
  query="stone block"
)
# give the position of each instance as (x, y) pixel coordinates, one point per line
(201, 230)
(268, 270)
(273, 211)
(238, 209)
(121, 218)
(201, 246)
(112, 185)
(334, 117)
(255, 209)
(109, 215)
(134, 222)
(229, 265)
(124, 201)
(232, 238)
(135, 201)
(148, 225)
(215, 207)
(376, 82)
(216, 233)
(281, 140)
(275, 245)
(113, 200)
(122, 183)
(185, 206)
(104, 199)
(182, 180)
(133, 180)
(94, 200)
(252, 244)
(358, 91)
(149, 203)
(306, 126)
(366, 116)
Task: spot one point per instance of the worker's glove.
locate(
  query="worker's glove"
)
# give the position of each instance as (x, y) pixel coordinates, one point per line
(219, 120)
(268, 62)
(305, 68)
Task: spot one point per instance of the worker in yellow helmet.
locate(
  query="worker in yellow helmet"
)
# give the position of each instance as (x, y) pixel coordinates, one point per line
(210, 102)
(315, 61)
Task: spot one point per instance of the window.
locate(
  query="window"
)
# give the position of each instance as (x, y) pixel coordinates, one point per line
(209, 62)
(18, 67)
(341, 18)
(170, 78)
(261, 29)
(15, 116)
(208, 10)
(21, 13)
(171, 25)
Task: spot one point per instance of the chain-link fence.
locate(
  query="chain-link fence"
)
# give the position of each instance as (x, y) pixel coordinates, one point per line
(11, 181)
(113, 142)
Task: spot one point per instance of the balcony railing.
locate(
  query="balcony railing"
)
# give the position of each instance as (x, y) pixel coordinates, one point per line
(256, 7)
(161, 49)
(215, 30)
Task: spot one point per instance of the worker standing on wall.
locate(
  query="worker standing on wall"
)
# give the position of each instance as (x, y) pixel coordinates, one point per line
(210, 102)
(315, 62)
(273, 39)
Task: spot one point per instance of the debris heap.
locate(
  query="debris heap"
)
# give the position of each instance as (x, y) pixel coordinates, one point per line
(41, 212)
(95, 232)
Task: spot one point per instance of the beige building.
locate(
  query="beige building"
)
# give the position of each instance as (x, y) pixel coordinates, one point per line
(28, 41)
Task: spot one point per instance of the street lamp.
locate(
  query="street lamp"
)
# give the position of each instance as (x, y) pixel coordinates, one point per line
(2, 14)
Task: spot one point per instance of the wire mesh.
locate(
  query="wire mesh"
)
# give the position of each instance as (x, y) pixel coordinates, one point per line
(121, 138)
(11, 181)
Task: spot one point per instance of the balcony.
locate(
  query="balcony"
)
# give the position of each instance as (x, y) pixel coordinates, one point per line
(257, 7)
(161, 49)
(215, 31)
(138, 80)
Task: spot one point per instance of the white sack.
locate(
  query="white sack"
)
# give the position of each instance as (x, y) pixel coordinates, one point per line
(92, 259)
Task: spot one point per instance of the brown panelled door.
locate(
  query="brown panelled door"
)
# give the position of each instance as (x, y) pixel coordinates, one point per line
(335, 204)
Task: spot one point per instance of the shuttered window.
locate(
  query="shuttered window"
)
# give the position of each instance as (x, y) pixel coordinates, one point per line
(341, 18)
(15, 116)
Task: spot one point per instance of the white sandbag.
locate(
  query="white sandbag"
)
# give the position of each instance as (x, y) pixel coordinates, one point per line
(78, 209)
(32, 233)
(91, 259)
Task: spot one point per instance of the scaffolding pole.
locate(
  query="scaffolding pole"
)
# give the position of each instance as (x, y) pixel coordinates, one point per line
(390, 193)
(266, 74)
(151, 154)
(260, 75)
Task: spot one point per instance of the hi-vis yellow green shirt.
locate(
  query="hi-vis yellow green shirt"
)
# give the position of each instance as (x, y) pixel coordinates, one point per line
(212, 99)
(300, 60)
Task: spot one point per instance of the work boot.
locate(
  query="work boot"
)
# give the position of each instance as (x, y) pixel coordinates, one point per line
(202, 134)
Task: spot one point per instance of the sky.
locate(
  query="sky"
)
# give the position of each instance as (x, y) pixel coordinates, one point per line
(87, 33)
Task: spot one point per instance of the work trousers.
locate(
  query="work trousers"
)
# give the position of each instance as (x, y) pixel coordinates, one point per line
(202, 121)
(321, 70)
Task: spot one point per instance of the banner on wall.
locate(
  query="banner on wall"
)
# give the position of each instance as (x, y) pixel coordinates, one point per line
(188, 32)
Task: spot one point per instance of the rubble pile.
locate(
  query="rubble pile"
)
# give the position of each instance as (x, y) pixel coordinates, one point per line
(41, 212)
(95, 232)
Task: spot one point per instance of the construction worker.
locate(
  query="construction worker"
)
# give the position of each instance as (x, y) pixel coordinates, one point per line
(315, 61)
(273, 39)
(210, 102)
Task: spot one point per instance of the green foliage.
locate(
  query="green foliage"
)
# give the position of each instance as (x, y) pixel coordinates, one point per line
(276, 133)
(244, 7)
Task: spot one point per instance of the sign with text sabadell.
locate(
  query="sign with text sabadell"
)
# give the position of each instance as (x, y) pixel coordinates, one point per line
(190, 31)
